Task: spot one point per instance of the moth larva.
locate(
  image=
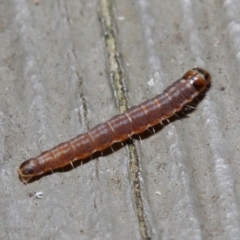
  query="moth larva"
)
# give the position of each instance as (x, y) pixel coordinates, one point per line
(136, 120)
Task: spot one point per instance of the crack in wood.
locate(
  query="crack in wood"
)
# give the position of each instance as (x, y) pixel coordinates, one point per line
(117, 78)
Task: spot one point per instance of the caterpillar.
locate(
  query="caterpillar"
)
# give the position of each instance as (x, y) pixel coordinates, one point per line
(120, 127)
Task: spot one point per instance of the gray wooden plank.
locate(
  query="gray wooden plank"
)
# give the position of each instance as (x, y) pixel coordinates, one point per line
(55, 83)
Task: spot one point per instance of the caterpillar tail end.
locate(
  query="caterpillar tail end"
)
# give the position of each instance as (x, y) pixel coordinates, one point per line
(26, 171)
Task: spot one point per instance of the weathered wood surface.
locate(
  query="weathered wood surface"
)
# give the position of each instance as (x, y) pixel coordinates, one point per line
(56, 83)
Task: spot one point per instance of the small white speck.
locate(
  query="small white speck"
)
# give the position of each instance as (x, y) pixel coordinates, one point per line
(121, 18)
(151, 82)
(37, 195)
